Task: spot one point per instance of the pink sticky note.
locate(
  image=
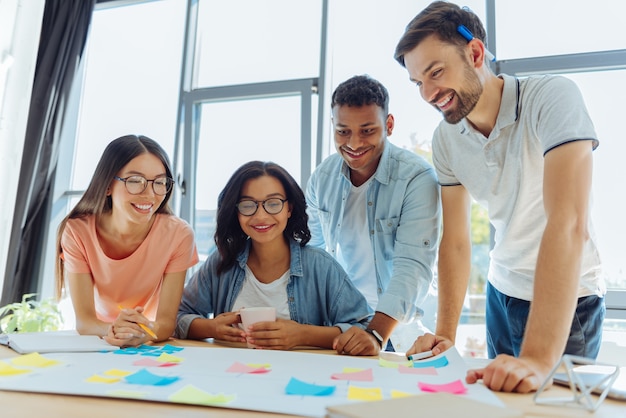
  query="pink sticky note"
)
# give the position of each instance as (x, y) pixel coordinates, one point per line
(361, 376)
(243, 368)
(457, 387)
(430, 371)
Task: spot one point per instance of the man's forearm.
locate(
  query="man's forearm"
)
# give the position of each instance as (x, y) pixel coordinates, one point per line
(554, 296)
(383, 324)
(454, 271)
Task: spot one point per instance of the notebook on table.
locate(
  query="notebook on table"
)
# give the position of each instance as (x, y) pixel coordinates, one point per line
(54, 342)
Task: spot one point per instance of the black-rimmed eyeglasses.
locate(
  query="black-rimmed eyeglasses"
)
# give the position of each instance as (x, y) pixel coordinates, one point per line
(137, 184)
(273, 206)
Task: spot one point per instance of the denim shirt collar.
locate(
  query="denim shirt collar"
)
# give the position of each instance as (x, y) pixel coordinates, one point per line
(295, 265)
(383, 171)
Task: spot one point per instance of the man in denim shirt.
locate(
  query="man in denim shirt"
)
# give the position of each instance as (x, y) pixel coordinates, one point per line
(375, 207)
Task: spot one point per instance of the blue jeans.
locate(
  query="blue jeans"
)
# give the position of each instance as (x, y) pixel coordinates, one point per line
(506, 321)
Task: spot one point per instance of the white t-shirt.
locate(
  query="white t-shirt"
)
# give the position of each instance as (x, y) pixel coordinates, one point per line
(255, 293)
(354, 244)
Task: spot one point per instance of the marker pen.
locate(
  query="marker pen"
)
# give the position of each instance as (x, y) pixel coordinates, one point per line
(469, 36)
(420, 356)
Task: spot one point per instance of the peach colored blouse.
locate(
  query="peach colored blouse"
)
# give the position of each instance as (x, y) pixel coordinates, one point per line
(135, 280)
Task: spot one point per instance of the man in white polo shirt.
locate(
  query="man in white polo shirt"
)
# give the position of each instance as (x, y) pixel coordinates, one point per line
(522, 147)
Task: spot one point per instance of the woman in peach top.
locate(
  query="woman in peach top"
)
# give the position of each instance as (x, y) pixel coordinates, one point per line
(122, 252)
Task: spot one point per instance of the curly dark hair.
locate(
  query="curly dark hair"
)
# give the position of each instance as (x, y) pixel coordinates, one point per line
(229, 237)
(361, 90)
(442, 19)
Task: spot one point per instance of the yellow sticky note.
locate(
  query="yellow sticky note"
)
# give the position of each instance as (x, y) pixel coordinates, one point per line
(117, 372)
(168, 358)
(33, 360)
(193, 395)
(8, 370)
(102, 379)
(364, 394)
(386, 363)
(352, 370)
(400, 394)
(259, 365)
(393, 360)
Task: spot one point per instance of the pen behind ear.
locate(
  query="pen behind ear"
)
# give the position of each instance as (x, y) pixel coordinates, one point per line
(469, 36)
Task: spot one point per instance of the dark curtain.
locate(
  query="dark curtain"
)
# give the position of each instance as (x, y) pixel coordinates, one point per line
(63, 34)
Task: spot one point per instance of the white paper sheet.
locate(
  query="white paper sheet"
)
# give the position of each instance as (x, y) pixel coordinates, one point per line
(206, 369)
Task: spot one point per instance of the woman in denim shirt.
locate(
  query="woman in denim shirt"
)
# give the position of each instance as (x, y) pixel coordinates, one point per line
(263, 260)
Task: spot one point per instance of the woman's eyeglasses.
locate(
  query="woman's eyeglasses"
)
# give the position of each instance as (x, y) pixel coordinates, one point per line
(137, 184)
(273, 206)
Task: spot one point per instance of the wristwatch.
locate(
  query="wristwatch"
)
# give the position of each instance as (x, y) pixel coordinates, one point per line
(376, 335)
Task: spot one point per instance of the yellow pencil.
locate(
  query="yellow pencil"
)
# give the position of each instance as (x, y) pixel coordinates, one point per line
(148, 330)
(143, 327)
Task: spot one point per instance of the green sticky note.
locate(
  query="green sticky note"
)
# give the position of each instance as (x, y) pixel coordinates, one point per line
(193, 395)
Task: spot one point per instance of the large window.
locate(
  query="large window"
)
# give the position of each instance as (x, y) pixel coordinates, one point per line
(132, 79)
(130, 86)
(537, 28)
(249, 95)
(251, 41)
(252, 72)
(607, 210)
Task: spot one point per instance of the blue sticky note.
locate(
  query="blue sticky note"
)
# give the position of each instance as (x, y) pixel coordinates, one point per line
(436, 363)
(153, 353)
(145, 347)
(171, 348)
(298, 387)
(144, 377)
(127, 350)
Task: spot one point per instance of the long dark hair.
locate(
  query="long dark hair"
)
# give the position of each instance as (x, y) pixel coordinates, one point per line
(229, 237)
(95, 201)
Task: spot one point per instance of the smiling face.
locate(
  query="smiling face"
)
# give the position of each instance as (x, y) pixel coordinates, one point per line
(137, 208)
(262, 227)
(360, 133)
(444, 77)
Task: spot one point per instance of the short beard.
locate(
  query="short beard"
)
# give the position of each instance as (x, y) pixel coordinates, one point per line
(466, 99)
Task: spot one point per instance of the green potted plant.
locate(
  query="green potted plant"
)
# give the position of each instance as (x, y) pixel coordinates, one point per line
(30, 315)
